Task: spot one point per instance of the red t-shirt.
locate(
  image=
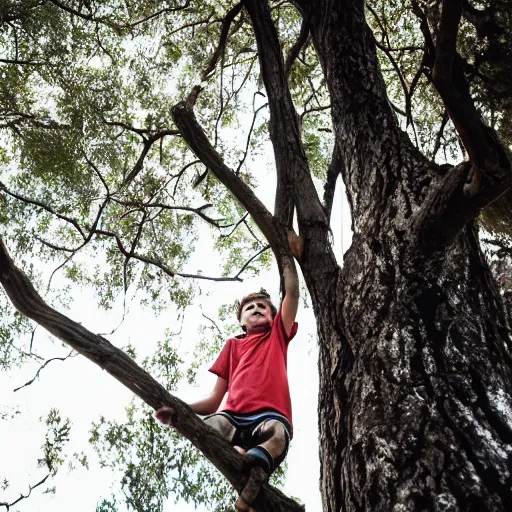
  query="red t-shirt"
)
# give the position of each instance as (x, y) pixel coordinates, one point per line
(255, 368)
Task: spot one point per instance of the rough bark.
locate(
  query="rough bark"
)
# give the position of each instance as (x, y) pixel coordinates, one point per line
(415, 376)
(101, 352)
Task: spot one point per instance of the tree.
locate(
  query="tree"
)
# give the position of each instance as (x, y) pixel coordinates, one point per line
(415, 374)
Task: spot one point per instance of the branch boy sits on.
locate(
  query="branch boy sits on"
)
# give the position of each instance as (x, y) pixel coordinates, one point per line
(257, 417)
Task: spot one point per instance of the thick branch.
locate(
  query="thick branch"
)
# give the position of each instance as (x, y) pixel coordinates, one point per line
(448, 209)
(96, 348)
(471, 186)
(284, 126)
(197, 141)
(484, 149)
(295, 187)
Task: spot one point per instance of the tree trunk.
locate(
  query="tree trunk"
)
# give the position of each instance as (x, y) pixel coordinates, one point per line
(415, 400)
(415, 364)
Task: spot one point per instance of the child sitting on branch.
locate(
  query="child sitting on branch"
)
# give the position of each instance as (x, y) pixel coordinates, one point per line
(256, 418)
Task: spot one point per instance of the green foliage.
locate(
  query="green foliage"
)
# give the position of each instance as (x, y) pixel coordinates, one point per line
(155, 462)
(107, 505)
(56, 438)
(96, 186)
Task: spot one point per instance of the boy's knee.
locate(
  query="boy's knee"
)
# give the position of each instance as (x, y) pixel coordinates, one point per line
(222, 425)
(273, 428)
(275, 432)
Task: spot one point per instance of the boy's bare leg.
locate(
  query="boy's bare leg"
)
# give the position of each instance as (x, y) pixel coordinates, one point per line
(274, 433)
(222, 425)
(273, 436)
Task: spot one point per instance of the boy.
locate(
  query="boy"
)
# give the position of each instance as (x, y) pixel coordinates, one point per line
(251, 368)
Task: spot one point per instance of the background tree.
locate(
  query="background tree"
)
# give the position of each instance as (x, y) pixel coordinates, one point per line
(415, 376)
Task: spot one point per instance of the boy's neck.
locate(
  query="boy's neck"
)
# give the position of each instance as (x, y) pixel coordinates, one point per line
(260, 329)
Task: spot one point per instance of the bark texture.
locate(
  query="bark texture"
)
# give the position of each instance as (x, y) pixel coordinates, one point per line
(415, 375)
(415, 378)
(415, 407)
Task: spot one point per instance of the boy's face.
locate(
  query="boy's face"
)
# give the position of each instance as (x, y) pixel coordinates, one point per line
(256, 316)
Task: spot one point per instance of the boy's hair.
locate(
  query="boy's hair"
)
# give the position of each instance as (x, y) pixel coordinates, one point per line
(263, 295)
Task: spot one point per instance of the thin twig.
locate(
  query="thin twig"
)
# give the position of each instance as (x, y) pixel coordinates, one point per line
(246, 151)
(71, 354)
(235, 226)
(69, 220)
(22, 497)
(248, 262)
(212, 321)
(230, 16)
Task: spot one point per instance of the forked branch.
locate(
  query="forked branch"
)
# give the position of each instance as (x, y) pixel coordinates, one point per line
(293, 174)
(198, 142)
(470, 186)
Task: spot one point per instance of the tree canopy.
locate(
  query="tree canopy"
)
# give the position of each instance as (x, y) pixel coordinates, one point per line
(131, 132)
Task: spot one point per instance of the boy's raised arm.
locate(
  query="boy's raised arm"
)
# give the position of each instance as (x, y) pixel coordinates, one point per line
(291, 283)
